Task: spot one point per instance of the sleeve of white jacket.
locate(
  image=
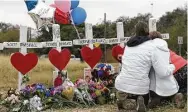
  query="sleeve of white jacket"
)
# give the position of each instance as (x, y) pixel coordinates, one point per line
(160, 65)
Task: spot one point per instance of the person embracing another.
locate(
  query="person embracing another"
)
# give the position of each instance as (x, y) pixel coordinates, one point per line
(133, 81)
(165, 85)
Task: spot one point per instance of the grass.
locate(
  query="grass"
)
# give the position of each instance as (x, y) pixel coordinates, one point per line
(43, 73)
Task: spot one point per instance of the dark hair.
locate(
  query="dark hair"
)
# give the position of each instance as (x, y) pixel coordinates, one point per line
(141, 29)
(155, 34)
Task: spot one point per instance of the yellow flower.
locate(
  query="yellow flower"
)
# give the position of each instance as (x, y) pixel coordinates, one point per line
(98, 92)
(68, 93)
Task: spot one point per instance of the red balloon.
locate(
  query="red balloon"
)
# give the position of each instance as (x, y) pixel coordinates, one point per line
(91, 56)
(59, 59)
(24, 63)
(117, 50)
(177, 60)
(62, 17)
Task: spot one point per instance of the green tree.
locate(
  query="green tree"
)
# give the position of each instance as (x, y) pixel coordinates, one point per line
(175, 23)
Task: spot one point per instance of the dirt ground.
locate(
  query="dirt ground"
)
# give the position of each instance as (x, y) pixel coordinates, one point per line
(113, 108)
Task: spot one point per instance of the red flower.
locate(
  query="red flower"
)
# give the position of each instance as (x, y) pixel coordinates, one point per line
(58, 81)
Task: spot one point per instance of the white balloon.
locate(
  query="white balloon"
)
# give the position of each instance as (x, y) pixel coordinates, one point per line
(49, 14)
(40, 22)
(42, 15)
(43, 10)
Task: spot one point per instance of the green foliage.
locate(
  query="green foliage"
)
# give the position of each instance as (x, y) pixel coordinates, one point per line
(174, 23)
(46, 36)
(9, 36)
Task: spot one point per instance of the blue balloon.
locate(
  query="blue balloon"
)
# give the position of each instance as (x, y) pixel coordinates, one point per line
(31, 4)
(78, 15)
(74, 3)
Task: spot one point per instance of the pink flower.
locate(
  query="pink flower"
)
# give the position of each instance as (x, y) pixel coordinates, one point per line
(93, 95)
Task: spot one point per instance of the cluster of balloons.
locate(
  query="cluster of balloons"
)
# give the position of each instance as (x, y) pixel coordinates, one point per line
(65, 11)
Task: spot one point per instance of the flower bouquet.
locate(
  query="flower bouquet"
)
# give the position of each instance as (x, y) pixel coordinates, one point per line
(81, 93)
(104, 73)
(37, 97)
(13, 101)
(99, 92)
(61, 96)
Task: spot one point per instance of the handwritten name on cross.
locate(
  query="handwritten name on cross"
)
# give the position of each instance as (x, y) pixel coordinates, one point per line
(24, 45)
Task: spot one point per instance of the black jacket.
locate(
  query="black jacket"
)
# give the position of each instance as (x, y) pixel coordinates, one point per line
(137, 40)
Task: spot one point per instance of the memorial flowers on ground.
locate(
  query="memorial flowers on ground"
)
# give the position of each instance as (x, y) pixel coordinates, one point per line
(82, 93)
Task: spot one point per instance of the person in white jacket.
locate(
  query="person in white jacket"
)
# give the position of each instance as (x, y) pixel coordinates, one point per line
(162, 83)
(138, 58)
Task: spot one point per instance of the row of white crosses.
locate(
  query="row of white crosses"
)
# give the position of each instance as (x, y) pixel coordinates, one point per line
(23, 45)
(57, 43)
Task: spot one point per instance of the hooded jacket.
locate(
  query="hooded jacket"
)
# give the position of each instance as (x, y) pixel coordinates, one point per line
(138, 58)
(163, 84)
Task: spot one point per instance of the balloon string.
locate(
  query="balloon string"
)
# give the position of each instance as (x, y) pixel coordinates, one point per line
(78, 35)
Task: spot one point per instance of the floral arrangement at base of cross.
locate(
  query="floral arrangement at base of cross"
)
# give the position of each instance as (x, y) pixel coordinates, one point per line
(105, 73)
(99, 92)
(84, 93)
(37, 97)
(96, 91)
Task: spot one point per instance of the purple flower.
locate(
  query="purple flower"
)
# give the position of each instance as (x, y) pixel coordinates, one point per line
(48, 93)
(92, 89)
(52, 92)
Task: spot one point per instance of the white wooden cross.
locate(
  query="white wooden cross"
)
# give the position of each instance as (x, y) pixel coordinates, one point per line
(57, 43)
(88, 37)
(23, 45)
(153, 27)
(87, 41)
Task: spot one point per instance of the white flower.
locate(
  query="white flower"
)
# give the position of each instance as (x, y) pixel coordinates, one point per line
(13, 99)
(35, 103)
(25, 102)
(39, 108)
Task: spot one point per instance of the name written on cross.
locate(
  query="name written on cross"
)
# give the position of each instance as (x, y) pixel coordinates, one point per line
(22, 44)
(67, 43)
(57, 44)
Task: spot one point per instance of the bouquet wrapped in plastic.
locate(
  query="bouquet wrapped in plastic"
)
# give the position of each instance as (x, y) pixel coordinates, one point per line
(82, 93)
